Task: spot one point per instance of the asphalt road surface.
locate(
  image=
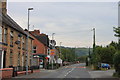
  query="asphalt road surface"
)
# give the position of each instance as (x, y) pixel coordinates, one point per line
(71, 71)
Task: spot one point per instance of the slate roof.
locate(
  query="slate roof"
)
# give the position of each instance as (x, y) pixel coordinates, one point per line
(11, 23)
(44, 39)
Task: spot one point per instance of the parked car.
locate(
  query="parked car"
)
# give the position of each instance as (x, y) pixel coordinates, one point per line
(105, 65)
(66, 63)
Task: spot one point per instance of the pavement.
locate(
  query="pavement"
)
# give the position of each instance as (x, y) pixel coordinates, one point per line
(71, 71)
(102, 74)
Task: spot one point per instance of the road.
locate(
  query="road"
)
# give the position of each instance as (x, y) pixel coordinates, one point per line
(72, 71)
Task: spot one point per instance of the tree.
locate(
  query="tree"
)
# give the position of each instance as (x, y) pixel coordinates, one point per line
(82, 58)
(117, 62)
(117, 55)
(117, 34)
(103, 55)
(117, 31)
(68, 54)
(114, 44)
(107, 54)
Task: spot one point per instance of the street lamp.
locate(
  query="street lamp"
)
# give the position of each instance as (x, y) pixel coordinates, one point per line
(53, 36)
(29, 16)
(52, 47)
(27, 41)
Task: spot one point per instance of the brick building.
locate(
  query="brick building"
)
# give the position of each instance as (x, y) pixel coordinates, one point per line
(13, 43)
(40, 48)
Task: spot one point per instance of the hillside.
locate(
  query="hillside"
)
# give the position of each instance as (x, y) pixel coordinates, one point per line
(82, 51)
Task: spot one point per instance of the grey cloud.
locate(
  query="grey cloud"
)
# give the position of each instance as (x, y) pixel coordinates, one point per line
(70, 20)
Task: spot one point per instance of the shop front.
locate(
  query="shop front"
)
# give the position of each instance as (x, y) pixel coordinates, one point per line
(40, 60)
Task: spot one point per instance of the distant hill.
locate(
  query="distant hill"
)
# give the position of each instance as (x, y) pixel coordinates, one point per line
(82, 51)
(79, 51)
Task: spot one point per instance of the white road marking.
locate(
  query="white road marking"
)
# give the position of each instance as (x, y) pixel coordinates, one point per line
(69, 71)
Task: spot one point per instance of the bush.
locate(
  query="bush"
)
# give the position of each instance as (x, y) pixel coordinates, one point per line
(116, 75)
(55, 66)
(116, 61)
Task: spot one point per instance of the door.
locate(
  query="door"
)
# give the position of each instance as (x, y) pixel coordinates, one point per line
(1, 59)
(4, 59)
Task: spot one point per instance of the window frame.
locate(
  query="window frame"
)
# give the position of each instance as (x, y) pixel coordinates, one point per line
(11, 37)
(34, 49)
(0, 33)
(5, 35)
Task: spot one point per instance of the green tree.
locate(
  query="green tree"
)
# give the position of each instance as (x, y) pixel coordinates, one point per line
(117, 31)
(82, 58)
(68, 54)
(117, 34)
(103, 55)
(114, 44)
(117, 55)
(117, 62)
(107, 54)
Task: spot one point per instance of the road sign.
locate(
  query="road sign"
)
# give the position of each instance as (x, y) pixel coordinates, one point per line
(52, 52)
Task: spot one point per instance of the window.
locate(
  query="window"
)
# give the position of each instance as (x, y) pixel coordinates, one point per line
(23, 40)
(11, 38)
(11, 57)
(18, 38)
(19, 45)
(5, 35)
(0, 34)
(19, 59)
(23, 43)
(34, 49)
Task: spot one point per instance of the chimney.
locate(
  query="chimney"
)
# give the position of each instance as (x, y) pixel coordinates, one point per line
(3, 6)
(36, 32)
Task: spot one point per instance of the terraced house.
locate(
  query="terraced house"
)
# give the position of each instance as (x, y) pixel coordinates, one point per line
(13, 42)
(40, 48)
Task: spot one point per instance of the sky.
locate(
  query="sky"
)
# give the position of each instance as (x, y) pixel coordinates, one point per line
(72, 22)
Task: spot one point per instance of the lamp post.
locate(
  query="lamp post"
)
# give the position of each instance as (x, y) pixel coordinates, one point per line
(53, 37)
(27, 41)
(52, 48)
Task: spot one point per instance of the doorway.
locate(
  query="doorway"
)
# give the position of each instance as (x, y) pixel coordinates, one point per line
(4, 60)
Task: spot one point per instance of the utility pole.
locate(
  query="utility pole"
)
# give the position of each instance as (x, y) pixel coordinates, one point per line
(89, 56)
(66, 53)
(89, 52)
(93, 40)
